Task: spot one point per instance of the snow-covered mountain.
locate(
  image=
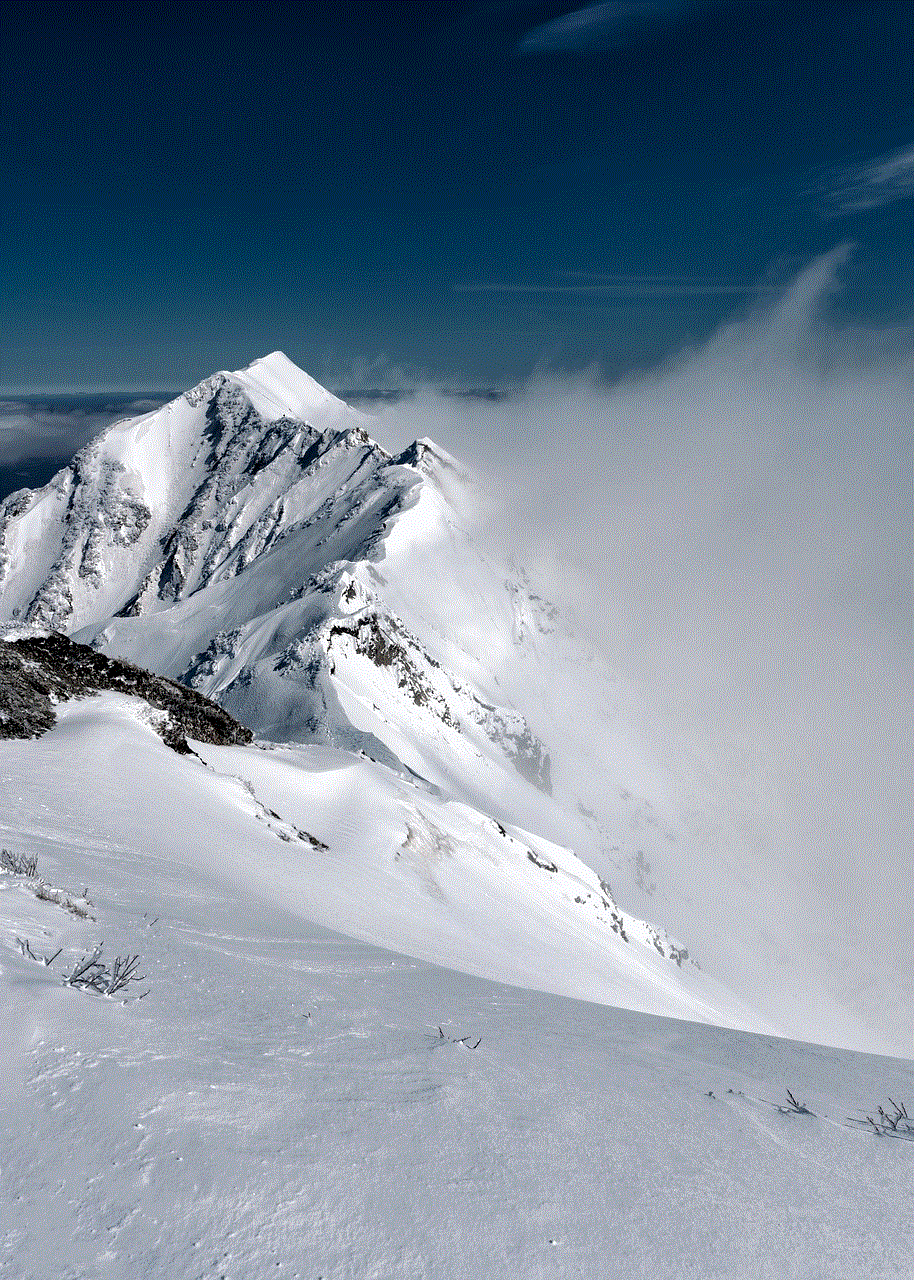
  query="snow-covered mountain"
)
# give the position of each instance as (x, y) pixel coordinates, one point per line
(233, 539)
(251, 540)
(282, 1102)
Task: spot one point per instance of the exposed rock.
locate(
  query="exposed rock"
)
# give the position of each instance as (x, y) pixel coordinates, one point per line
(543, 863)
(390, 645)
(38, 670)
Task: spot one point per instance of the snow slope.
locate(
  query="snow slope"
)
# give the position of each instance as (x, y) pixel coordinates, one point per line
(290, 1102)
(353, 846)
(251, 539)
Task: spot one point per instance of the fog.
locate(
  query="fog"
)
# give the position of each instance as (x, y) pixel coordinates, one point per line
(40, 434)
(735, 529)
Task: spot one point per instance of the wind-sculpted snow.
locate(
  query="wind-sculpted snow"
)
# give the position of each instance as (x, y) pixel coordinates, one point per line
(341, 839)
(38, 670)
(288, 1101)
(251, 540)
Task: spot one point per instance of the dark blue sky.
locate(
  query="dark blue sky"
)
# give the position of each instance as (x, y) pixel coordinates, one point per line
(468, 191)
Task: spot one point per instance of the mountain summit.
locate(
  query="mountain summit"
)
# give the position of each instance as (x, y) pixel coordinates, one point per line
(252, 541)
(234, 539)
(155, 506)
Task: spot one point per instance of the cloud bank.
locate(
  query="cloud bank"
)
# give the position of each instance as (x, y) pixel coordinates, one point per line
(735, 531)
(38, 436)
(41, 428)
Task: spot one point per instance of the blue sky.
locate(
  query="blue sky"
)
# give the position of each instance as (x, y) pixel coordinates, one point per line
(471, 194)
(464, 192)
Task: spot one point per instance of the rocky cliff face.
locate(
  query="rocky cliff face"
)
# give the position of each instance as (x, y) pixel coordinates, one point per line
(38, 670)
(250, 539)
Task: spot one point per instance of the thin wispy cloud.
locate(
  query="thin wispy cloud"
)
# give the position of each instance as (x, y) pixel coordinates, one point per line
(36, 428)
(871, 185)
(599, 27)
(617, 286)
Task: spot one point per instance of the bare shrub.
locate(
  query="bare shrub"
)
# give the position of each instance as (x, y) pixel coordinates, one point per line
(91, 973)
(895, 1123)
(464, 1040)
(25, 948)
(789, 1108)
(794, 1107)
(76, 906)
(19, 864)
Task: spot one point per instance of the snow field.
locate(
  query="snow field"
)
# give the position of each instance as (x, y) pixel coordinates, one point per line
(283, 1103)
(324, 592)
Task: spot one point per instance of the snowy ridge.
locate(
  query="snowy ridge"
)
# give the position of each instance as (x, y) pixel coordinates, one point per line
(251, 540)
(286, 1101)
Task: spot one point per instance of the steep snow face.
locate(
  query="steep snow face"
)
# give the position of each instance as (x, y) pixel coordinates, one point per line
(251, 540)
(155, 506)
(282, 1102)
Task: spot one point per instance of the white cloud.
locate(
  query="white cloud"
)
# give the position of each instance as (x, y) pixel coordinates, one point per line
(39, 428)
(871, 185)
(735, 528)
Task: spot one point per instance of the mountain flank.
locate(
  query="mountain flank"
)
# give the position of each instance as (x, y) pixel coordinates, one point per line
(38, 670)
(249, 539)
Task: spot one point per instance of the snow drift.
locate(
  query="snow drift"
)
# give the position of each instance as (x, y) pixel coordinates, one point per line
(250, 539)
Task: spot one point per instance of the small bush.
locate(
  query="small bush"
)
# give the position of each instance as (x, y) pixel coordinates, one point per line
(19, 864)
(76, 906)
(26, 949)
(463, 1040)
(897, 1121)
(91, 973)
(794, 1107)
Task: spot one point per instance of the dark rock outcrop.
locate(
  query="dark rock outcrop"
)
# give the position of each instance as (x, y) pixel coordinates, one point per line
(39, 670)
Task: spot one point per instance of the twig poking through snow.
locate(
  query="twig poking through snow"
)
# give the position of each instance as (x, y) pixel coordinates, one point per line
(76, 906)
(464, 1040)
(26, 950)
(798, 1108)
(92, 974)
(19, 864)
(897, 1122)
(792, 1108)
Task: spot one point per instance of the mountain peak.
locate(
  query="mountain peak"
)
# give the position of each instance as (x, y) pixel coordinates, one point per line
(455, 481)
(154, 506)
(277, 360)
(278, 388)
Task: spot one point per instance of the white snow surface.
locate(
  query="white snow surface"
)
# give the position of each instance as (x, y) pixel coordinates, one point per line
(288, 1101)
(252, 540)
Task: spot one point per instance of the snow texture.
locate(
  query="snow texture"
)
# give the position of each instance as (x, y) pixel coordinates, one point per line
(251, 540)
(442, 976)
(288, 1101)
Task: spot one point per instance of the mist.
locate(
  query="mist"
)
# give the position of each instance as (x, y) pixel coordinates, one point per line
(40, 434)
(734, 530)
